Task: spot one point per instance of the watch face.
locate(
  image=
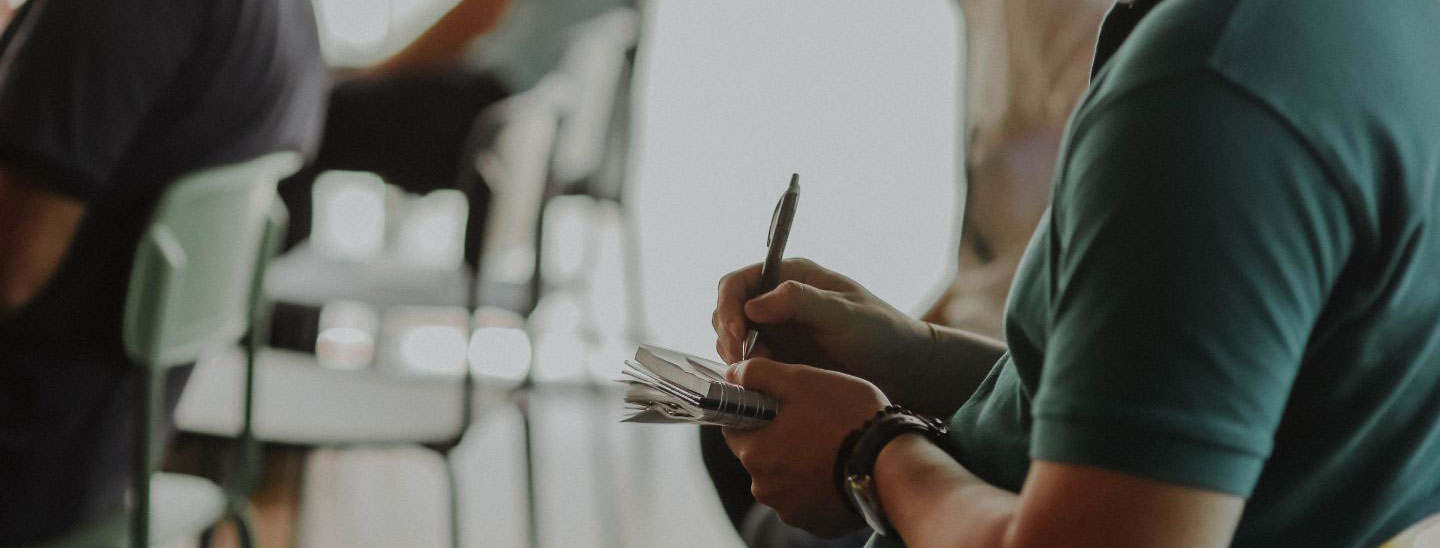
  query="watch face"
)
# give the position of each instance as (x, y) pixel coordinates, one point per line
(862, 492)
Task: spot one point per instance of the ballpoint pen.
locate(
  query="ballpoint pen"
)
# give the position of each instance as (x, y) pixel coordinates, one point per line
(775, 251)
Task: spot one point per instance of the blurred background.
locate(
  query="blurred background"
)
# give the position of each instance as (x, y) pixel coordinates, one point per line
(615, 209)
(480, 209)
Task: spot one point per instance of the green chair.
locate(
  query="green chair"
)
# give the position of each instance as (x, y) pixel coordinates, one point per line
(192, 292)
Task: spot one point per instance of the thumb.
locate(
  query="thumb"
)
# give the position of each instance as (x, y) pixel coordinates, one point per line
(794, 302)
(766, 375)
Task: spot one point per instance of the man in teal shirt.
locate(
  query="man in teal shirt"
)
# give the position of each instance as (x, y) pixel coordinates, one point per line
(1225, 332)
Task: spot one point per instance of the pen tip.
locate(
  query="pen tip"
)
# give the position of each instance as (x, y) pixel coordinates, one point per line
(794, 183)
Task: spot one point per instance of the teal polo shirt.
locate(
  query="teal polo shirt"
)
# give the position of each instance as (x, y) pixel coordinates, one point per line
(1237, 287)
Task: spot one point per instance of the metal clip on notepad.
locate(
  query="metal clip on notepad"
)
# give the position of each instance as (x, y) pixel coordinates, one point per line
(669, 386)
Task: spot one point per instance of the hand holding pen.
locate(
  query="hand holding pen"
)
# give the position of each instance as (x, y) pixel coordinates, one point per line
(813, 315)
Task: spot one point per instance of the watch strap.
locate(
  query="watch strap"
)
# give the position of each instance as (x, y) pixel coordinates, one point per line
(862, 449)
(883, 429)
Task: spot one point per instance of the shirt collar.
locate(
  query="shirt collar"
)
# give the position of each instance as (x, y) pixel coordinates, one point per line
(1118, 25)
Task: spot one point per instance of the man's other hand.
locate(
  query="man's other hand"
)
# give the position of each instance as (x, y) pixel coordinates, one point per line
(792, 460)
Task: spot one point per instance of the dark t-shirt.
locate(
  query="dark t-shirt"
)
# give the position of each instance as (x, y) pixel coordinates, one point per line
(1237, 287)
(107, 101)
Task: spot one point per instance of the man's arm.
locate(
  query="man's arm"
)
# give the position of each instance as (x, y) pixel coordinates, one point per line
(36, 228)
(959, 361)
(1192, 280)
(443, 44)
(933, 501)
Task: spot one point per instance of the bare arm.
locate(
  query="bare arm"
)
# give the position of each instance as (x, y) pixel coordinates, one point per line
(933, 501)
(444, 43)
(36, 228)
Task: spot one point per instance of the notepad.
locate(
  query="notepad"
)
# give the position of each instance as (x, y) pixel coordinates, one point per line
(666, 386)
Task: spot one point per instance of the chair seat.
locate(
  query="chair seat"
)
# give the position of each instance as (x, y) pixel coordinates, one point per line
(299, 402)
(304, 276)
(182, 507)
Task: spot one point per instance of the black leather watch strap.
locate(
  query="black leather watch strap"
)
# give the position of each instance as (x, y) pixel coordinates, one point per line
(842, 459)
(858, 453)
(885, 427)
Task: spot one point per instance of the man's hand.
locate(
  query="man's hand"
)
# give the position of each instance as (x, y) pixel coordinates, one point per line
(792, 460)
(818, 317)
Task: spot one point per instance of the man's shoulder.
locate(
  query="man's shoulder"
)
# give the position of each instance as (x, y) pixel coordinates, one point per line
(1334, 50)
(1329, 53)
(1329, 70)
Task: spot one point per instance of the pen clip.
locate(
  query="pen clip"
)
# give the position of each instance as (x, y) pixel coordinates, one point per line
(774, 221)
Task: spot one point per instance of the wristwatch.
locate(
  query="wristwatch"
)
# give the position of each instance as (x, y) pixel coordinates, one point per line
(855, 463)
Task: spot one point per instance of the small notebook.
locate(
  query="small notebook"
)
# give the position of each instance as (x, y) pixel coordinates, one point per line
(669, 386)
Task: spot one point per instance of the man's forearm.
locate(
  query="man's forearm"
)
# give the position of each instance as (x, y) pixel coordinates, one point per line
(933, 501)
(943, 381)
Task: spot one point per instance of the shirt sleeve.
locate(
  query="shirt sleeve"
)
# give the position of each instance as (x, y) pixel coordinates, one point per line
(1195, 241)
(78, 80)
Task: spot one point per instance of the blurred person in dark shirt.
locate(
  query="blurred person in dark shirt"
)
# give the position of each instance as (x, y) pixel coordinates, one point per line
(102, 104)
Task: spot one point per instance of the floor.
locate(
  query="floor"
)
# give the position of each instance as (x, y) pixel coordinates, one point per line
(599, 483)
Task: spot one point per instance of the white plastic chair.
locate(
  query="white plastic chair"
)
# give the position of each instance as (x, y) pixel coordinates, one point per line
(299, 402)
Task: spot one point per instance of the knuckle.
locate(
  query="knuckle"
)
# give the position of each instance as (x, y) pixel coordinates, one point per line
(758, 463)
(769, 467)
(790, 288)
(789, 517)
(764, 494)
(748, 459)
(751, 371)
(736, 373)
(724, 280)
(742, 453)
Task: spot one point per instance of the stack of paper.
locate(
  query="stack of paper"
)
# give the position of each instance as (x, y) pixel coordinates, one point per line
(670, 386)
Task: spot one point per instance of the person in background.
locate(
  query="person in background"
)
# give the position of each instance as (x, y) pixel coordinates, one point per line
(408, 118)
(102, 103)
(1224, 332)
(1026, 64)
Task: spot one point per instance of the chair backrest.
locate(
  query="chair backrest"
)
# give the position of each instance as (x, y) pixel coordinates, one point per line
(515, 141)
(190, 287)
(594, 63)
(609, 180)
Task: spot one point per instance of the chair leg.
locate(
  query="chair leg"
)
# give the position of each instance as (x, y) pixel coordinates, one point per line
(532, 496)
(635, 298)
(452, 485)
(243, 517)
